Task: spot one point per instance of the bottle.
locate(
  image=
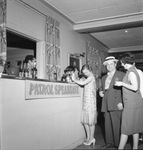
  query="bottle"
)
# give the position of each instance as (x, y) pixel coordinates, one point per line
(55, 76)
(21, 70)
(68, 78)
(34, 71)
(63, 77)
(26, 70)
(29, 71)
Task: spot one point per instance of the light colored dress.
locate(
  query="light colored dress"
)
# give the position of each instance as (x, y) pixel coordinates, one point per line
(89, 108)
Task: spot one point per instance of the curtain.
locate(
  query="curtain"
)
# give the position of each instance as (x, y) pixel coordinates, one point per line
(3, 45)
(52, 49)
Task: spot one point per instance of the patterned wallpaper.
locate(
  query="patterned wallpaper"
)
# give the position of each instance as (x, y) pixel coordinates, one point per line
(3, 47)
(95, 58)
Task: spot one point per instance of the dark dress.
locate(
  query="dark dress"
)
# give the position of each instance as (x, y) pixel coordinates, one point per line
(132, 117)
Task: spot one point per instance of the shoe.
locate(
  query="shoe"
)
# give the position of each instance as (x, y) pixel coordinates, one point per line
(109, 145)
(141, 139)
(86, 141)
(140, 142)
(91, 142)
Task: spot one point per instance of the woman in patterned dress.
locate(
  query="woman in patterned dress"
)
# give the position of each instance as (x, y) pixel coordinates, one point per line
(89, 110)
(132, 122)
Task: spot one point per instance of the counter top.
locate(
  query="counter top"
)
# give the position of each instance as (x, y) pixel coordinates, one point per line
(5, 76)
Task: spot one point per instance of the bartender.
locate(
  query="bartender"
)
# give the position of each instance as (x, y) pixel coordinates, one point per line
(68, 72)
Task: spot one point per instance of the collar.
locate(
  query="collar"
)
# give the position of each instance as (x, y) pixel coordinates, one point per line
(111, 73)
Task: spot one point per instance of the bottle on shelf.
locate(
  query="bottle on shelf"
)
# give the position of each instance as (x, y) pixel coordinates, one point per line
(29, 70)
(20, 70)
(24, 70)
(34, 71)
(63, 78)
(55, 76)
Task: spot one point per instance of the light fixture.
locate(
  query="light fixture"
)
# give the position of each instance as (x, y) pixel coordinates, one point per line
(126, 31)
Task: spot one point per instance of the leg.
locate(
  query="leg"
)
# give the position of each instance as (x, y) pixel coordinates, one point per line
(135, 140)
(87, 132)
(108, 129)
(116, 123)
(92, 130)
(123, 141)
(91, 136)
(109, 140)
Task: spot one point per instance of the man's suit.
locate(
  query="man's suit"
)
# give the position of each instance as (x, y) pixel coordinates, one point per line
(112, 97)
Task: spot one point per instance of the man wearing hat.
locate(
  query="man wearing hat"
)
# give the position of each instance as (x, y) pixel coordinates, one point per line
(111, 103)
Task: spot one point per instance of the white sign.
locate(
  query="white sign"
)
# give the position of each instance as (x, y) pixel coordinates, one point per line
(42, 89)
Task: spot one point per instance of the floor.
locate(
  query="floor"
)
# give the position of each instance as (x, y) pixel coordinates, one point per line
(99, 132)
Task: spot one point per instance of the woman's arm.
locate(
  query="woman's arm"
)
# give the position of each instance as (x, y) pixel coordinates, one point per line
(83, 82)
(133, 82)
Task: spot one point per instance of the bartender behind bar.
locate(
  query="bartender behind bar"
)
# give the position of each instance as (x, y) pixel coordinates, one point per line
(68, 72)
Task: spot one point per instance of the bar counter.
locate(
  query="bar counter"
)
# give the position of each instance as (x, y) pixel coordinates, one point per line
(37, 114)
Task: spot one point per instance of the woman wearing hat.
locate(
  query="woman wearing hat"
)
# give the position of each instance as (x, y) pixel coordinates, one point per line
(111, 103)
(132, 117)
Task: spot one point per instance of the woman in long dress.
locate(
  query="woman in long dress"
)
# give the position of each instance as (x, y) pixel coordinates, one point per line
(89, 109)
(132, 121)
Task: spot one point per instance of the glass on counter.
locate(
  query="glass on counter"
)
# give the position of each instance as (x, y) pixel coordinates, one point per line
(28, 68)
(28, 71)
(34, 71)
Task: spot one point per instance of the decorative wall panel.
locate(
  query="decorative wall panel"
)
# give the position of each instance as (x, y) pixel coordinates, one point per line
(3, 45)
(52, 49)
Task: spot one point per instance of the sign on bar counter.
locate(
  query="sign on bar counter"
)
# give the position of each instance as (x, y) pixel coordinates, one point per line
(39, 90)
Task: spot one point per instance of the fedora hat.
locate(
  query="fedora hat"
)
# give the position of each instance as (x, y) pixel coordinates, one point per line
(110, 58)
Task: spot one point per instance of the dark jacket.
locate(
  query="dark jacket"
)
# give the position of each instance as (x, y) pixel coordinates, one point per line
(114, 95)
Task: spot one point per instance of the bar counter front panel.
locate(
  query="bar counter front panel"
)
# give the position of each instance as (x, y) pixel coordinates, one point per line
(37, 114)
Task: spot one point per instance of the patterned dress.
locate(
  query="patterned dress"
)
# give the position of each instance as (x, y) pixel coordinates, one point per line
(132, 117)
(89, 109)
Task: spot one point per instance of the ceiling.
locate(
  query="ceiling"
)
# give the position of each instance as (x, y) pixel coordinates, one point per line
(118, 24)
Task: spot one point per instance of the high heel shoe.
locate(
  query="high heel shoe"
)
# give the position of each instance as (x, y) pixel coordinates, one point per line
(91, 142)
(86, 141)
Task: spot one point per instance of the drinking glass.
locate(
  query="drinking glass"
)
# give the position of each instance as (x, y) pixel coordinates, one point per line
(116, 80)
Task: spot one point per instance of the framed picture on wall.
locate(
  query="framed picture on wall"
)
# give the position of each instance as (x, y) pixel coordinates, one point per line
(74, 61)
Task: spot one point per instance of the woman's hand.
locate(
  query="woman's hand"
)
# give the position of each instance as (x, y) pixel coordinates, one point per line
(118, 83)
(120, 106)
(101, 93)
(73, 77)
